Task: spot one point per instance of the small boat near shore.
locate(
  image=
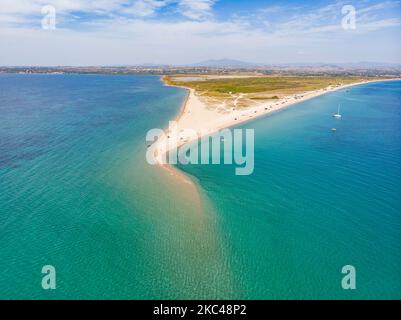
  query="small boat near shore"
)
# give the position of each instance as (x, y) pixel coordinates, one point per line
(338, 114)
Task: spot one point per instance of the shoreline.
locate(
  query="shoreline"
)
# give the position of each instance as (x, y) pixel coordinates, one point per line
(194, 114)
(173, 171)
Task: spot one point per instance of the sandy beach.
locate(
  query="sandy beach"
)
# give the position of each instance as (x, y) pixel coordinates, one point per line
(197, 116)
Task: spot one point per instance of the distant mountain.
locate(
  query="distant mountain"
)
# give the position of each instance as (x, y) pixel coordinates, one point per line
(223, 63)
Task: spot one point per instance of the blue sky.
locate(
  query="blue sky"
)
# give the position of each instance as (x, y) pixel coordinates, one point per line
(128, 32)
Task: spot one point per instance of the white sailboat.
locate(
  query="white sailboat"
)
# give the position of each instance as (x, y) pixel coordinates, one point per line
(338, 114)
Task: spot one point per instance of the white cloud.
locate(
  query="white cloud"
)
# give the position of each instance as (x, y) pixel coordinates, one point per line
(191, 9)
(144, 8)
(196, 9)
(380, 6)
(121, 33)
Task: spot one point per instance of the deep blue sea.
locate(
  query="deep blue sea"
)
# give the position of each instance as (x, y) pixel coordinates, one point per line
(77, 193)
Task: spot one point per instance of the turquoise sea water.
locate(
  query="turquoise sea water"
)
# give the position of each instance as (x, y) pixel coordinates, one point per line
(76, 193)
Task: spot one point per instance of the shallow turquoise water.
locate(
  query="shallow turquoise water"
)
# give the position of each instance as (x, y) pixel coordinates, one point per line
(317, 200)
(76, 193)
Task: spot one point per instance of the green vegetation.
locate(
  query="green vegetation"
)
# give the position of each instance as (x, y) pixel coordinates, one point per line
(244, 90)
(269, 85)
(265, 98)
